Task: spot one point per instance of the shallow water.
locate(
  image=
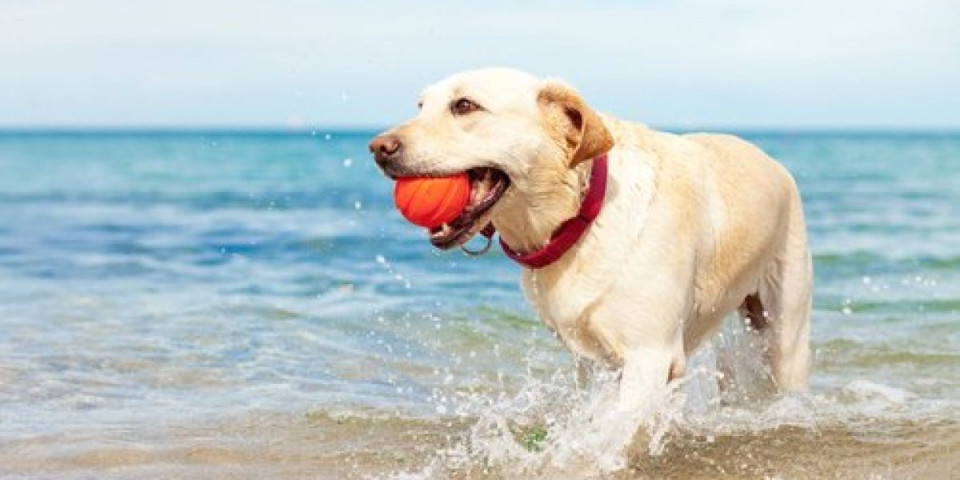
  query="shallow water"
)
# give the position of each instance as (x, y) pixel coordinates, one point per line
(248, 304)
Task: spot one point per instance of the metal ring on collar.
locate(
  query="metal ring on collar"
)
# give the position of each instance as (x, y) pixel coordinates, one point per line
(477, 253)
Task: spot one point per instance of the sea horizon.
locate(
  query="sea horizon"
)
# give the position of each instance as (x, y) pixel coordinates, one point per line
(172, 129)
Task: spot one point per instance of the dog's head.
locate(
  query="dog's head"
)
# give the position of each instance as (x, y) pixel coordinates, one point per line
(517, 136)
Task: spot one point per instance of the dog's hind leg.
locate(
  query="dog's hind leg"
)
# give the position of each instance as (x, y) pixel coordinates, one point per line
(786, 295)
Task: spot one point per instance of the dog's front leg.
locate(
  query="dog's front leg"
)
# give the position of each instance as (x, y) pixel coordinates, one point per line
(646, 373)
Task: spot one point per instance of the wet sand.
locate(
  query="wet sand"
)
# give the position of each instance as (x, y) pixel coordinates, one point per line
(321, 445)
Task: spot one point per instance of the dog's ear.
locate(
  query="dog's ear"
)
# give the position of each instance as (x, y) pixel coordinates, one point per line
(577, 124)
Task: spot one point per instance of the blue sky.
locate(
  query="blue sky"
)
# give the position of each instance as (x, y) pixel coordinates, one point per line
(681, 63)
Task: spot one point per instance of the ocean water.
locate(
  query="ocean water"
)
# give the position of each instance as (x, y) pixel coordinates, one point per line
(249, 305)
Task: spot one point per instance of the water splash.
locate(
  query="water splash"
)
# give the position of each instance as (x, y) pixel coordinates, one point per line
(550, 428)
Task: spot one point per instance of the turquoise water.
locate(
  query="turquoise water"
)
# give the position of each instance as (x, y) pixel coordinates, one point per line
(217, 304)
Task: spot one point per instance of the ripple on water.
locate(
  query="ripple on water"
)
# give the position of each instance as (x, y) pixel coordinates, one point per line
(250, 305)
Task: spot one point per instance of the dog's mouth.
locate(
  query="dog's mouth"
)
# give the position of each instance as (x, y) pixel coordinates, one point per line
(487, 186)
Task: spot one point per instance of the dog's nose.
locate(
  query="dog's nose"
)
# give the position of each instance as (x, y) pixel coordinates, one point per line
(385, 148)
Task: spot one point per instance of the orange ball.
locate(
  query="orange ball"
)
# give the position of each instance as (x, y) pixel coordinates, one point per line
(431, 202)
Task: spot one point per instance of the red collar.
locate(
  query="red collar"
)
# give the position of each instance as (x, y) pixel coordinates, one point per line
(570, 231)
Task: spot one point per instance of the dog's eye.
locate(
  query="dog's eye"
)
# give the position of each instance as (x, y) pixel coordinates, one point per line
(464, 106)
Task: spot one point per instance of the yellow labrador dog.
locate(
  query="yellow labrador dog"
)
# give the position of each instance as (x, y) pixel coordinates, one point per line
(689, 227)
